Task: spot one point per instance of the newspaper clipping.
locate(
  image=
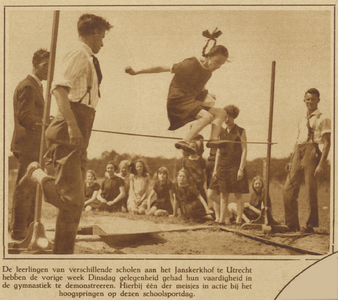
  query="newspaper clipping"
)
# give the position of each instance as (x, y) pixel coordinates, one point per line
(169, 150)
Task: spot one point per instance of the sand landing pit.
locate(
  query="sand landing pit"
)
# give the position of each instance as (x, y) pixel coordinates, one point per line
(119, 233)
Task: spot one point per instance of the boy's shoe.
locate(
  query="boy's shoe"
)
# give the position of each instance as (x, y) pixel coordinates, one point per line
(307, 230)
(274, 222)
(215, 143)
(185, 146)
(18, 236)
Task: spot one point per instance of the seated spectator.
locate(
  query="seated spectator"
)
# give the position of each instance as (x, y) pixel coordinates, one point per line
(138, 191)
(195, 165)
(188, 198)
(253, 209)
(91, 190)
(124, 167)
(163, 191)
(112, 191)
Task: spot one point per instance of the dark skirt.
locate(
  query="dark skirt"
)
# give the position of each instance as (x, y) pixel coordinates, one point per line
(165, 205)
(227, 181)
(193, 210)
(183, 109)
(250, 214)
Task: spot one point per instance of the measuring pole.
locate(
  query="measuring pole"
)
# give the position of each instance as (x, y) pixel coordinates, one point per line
(266, 227)
(268, 156)
(39, 239)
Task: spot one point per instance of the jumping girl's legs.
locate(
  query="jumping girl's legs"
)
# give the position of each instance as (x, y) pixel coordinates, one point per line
(218, 119)
(215, 116)
(203, 119)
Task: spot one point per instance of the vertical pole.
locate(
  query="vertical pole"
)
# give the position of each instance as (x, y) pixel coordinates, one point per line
(264, 168)
(38, 199)
(268, 156)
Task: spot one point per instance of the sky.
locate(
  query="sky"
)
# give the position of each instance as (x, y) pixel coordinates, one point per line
(299, 39)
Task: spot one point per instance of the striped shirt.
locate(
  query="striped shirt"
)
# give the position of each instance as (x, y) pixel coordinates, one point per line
(75, 74)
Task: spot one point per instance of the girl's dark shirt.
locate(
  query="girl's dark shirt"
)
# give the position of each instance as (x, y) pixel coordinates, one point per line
(89, 190)
(111, 187)
(162, 190)
(258, 198)
(186, 92)
(186, 194)
(190, 77)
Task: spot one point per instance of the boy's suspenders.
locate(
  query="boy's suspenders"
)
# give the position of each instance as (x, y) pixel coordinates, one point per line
(312, 128)
(89, 83)
(319, 153)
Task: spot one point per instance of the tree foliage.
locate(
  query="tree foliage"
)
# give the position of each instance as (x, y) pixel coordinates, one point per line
(253, 168)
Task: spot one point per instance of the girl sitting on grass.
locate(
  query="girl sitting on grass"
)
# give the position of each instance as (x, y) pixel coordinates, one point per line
(253, 209)
(91, 190)
(195, 165)
(138, 191)
(188, 198)
(124, 167)
(163, 190)
(112, 190)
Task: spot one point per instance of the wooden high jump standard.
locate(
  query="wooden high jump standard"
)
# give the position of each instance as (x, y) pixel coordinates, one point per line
(263, 223)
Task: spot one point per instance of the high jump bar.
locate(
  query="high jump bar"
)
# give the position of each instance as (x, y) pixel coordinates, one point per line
(174, 138)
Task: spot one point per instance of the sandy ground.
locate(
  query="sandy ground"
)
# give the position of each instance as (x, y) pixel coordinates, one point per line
(104, 233)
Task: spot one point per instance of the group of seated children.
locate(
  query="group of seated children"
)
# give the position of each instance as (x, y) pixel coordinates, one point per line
(128, 189)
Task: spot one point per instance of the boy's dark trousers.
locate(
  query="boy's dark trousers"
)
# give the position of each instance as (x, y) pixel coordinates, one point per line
(303, 165)
(23, 205)
(66, 189)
